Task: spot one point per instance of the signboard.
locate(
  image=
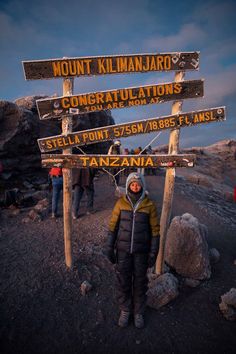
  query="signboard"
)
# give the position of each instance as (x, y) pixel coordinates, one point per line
(114, 161)
(113, 64)
(118, 131)
(120, 98)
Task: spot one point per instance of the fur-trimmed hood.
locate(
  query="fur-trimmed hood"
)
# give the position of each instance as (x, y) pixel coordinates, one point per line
(136, 177)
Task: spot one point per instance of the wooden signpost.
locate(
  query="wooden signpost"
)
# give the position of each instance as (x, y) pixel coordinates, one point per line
(169, 184)
(67, 181)
(69, 105)
(120, 98)
(113, 64)
(150, 125)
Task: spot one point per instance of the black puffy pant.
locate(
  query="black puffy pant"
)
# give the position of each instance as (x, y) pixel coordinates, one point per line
(131, 281)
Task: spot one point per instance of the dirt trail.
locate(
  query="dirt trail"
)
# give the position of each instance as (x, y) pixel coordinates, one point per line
(43, 311)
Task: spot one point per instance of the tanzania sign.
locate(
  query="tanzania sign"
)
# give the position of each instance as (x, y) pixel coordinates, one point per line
(115, 64)
(101, 161)
(120, 98)
(118, 131)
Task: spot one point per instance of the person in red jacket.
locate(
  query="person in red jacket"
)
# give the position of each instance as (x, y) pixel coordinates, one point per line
(56, 177)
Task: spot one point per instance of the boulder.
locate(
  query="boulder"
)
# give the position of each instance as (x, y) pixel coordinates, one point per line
(39, 195)
(186, 249)
(29, 102)
(162, 290)
(41, 205)
(192, 283)
(214, 255)
(26, 220)
(42, 208)
(228, 305)
(39, 211)
(85, 287)
(34, 215)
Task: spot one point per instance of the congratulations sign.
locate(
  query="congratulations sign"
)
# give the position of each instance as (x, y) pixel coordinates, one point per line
(120, 98)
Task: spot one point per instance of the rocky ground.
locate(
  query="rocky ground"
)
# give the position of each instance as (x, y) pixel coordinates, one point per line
(44, 311)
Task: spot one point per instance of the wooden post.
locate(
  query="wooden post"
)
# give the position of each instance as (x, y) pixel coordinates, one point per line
(67, 181)
(169, 183)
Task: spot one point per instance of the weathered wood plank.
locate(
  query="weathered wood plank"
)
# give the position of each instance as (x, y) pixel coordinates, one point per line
(119, 98)
(113, 64)
(114, 161)
(118, 131)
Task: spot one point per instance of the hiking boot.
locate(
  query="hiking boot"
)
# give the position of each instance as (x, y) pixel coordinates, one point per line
(138, 320)
(123, 319)
(74, 217)
(54, 216)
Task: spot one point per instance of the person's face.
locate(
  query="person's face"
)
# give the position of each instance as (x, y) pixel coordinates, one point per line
(135, 187)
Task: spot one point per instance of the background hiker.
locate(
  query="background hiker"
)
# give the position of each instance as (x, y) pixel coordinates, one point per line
(83, 182)
(55, 174)
(116, 149)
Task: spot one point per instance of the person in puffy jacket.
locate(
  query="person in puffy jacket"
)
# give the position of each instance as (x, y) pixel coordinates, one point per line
(133, 244)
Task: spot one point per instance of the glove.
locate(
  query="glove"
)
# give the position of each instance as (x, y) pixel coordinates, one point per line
(151, 260)
(153, 251)
(109, 251)
(110, 254)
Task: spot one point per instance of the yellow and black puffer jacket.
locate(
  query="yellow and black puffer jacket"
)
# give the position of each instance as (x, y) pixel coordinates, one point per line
(134, 227)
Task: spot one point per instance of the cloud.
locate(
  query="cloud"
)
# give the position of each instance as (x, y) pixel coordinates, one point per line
(219, 16)
(90, 20)
(23, 37)
(188, 34)
(220, 85)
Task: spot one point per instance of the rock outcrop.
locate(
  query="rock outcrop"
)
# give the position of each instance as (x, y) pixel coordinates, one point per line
(20, 129)
(228, 305)
(186, 249)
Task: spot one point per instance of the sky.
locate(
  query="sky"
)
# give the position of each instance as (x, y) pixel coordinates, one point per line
(47, 29)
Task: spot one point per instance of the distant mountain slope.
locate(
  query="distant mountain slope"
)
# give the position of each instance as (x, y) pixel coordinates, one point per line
(215, 165)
